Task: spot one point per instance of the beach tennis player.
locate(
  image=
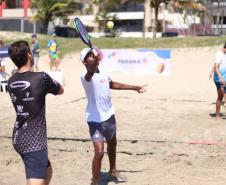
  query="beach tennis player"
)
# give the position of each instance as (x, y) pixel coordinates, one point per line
(100, 113)
(220, 77)
(27, 90)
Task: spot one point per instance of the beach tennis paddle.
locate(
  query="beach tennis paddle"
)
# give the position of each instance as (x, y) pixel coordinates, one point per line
(83, 34)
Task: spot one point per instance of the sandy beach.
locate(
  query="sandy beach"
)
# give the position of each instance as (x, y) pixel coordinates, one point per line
(166, 136)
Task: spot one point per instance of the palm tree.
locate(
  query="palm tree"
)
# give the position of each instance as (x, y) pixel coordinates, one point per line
(188, 4)
(196, 8)
(49, 9)
(179, 4)
(147, 16)
(156, 4)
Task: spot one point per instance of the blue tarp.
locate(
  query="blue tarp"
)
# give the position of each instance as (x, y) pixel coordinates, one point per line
(4, 52)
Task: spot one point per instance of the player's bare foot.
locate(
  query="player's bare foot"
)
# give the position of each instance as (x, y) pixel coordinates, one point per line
(218, 117)
(118, 176)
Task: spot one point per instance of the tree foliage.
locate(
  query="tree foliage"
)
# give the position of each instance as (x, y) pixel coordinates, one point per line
(192, 6)
(47, 10)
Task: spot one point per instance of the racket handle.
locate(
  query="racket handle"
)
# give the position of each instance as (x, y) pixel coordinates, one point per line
(94, 51)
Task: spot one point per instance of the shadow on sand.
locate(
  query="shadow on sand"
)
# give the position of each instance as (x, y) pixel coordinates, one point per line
(106, 178)
(213, 115)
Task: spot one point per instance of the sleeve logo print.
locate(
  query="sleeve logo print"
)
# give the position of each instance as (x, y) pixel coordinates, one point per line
(20, 84)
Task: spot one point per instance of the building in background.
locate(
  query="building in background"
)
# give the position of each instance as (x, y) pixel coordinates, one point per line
(129, 18)
(15, 16)
(137, 19)
(217, 11)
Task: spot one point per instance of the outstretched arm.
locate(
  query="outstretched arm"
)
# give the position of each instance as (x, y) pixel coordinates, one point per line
(211, 72)
(120, 86)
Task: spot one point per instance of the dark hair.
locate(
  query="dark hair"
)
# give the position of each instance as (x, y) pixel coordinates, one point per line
(34, 36)
(18, 52)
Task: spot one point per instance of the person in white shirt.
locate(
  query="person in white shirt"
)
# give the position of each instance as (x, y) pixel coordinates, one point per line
(100, 113)
(3, 74)
(220, 77)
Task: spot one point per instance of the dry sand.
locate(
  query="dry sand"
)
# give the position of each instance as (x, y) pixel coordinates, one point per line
(154, 129)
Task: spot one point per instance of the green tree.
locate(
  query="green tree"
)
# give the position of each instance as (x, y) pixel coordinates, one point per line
(47, 10)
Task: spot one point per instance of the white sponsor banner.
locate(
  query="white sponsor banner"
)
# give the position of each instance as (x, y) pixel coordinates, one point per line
(142, 61)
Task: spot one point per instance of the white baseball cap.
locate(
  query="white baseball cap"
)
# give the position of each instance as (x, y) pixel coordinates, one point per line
(83, 53)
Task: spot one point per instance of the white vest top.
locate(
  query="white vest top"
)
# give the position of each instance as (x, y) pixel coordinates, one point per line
(99, 107)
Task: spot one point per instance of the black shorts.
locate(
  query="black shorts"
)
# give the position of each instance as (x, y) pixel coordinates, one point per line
(220, 85)
(36, 164)
(105, 129)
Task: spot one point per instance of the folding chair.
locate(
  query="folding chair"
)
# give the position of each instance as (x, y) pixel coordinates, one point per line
(4, 83)
(4, 86)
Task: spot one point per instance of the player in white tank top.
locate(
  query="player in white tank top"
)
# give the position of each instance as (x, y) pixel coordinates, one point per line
(100, 113)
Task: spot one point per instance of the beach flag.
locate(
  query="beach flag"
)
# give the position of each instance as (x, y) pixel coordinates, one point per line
(4, 52)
